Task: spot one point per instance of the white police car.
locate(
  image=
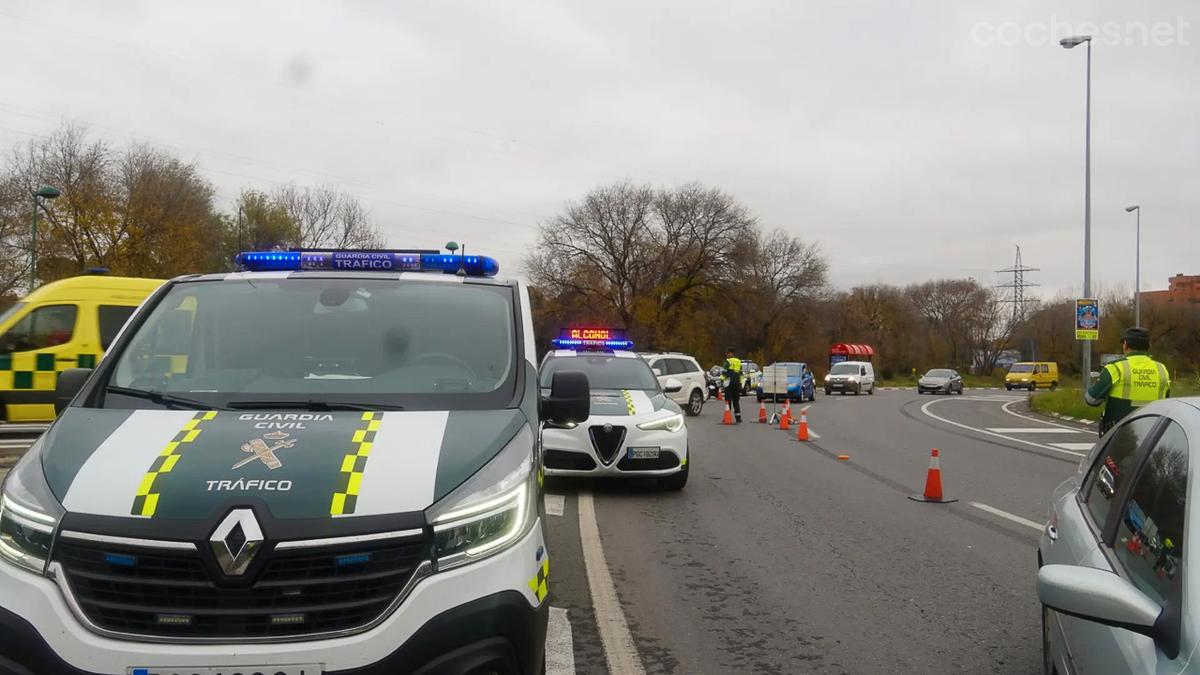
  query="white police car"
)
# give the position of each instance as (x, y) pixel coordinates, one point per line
(633, 428)
(309, 466)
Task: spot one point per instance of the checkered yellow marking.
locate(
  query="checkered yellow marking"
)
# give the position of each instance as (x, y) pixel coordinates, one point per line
(37, 371)
(540, 583)
(146, 501)
(353, 464)
(629, 402)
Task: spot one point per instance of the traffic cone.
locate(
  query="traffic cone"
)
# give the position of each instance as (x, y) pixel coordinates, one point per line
(720, 394)
(787, 411)
(785, 418)
(762, 412)
(728, 418)
(933, 483)
(802, 429)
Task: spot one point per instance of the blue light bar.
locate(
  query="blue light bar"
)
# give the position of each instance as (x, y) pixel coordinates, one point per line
(578, 343)
(119, 559)
(283, 261)
(353, 558)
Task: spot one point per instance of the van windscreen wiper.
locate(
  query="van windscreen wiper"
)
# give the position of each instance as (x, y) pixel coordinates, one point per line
(169, 400)
(311, 405)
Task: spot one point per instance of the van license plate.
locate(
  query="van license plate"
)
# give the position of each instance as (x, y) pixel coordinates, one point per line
(294, 669)
(643, 453)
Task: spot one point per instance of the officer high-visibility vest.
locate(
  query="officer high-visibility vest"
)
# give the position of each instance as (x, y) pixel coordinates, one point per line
(734, 365)
(1138, 379)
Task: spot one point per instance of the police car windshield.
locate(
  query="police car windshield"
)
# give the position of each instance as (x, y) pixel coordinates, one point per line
(386, 342)
(604, 371)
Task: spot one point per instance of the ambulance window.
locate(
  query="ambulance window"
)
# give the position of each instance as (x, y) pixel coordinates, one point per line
(112, 317)
(44, 327)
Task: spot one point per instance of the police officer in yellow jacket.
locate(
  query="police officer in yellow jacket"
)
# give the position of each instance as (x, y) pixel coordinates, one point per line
(1130, 382)
(733, 386)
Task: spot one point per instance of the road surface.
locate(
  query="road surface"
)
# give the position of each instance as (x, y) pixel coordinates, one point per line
(778, 557)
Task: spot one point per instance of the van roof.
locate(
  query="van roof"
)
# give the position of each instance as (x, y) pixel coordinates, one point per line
(94, 287)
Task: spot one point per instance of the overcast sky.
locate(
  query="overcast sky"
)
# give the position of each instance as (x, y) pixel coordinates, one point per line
(911, 139)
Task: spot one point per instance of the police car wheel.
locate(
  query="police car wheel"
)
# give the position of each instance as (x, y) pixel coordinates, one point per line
(676, 481)
(695, 403)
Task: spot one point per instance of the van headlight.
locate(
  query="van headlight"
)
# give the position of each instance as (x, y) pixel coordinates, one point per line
(673, 423)
(491, 511)
(29, 514)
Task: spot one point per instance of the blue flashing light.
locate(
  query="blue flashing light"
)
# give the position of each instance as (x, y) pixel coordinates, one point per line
(120, 559)
(399, 261)
(353, 559)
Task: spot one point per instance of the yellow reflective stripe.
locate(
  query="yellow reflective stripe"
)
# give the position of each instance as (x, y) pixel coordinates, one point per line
(1126, 380)
(353, 464)
(145, 502)
(629, 402)
(539, 585)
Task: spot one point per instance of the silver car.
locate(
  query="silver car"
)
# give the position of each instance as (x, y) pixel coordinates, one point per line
(1116, 595)
(940, 380)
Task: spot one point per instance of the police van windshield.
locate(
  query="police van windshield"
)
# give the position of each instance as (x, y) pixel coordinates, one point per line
(603, 371)
(383, 342)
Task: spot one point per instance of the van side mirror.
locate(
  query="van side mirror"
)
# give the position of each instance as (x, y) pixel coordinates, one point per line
(570, 399)
(70, 382)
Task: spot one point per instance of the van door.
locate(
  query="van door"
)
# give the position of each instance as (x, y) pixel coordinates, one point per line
(41, 343)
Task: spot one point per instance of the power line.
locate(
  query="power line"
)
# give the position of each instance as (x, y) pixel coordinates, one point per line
(1018, 286)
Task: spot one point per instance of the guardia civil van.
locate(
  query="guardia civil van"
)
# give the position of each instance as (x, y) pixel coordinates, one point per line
(327, 462)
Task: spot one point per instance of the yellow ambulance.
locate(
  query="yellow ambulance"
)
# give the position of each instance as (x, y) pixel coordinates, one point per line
(64, 324)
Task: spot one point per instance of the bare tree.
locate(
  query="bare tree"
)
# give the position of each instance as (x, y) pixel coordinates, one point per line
(326, 218)
(642, 253)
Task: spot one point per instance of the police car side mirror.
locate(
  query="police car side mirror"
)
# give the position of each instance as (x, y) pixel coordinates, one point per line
(673, 386)
(570, 399)
(70, 382)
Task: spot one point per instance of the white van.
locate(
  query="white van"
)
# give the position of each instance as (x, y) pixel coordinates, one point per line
(855, 376)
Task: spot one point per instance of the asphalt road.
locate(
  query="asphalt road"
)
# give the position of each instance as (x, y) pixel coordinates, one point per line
(778, 557)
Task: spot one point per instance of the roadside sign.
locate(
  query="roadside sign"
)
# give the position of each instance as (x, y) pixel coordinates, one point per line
(1087, 319)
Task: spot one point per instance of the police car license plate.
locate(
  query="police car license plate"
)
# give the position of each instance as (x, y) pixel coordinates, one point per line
(295, 669)
(643, 453)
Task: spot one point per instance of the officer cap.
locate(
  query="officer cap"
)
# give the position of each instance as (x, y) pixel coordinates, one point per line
(1136, 337)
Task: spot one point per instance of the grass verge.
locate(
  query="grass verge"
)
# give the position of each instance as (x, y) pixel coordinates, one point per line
(1069, 402)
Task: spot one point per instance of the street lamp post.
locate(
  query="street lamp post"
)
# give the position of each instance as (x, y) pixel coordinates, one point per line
(44, 192)
(1137, 267)
(1070, 43)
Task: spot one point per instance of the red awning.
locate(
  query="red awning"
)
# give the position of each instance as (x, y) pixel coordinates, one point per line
(843, 349)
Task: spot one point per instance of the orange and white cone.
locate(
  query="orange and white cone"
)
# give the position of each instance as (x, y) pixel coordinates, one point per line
(785, 418)
(802, 429)
(720, 394)
(762, 412)
(728, 418)
(933, 483)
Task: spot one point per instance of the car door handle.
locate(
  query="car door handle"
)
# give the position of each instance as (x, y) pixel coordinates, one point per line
(1052, 532)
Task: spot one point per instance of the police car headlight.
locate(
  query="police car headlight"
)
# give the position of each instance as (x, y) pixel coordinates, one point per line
(489, 512)
(673, 423)
(29, 514)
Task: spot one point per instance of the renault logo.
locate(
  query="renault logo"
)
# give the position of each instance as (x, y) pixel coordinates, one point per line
(235, 541)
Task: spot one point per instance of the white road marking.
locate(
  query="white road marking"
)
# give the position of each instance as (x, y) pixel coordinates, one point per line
(554, 504)
(1074, 446)
(560, 645)
(1043, 446)
(619, 649)
(1007, 516)
(1034, 430)
(1033, 419)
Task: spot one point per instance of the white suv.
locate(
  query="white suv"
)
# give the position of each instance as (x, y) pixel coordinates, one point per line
(685, 369)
